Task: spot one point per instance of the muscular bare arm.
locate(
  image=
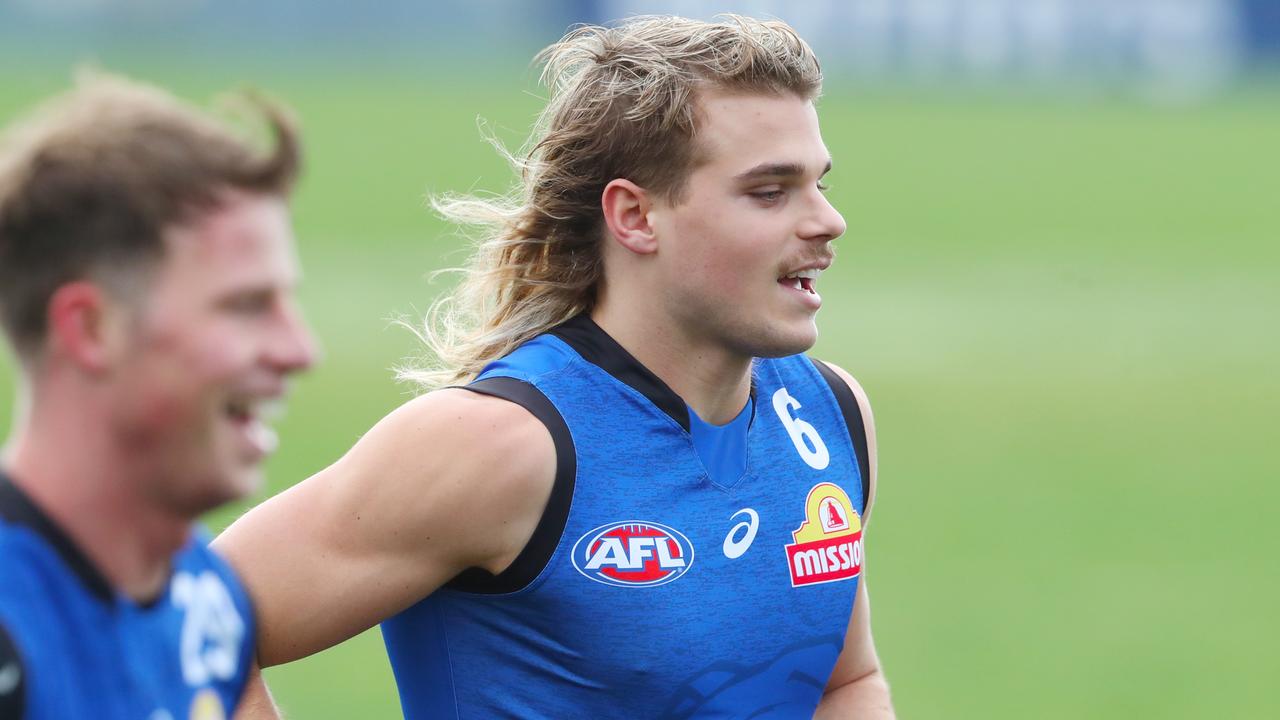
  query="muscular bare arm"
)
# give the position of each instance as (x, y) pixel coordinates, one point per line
(392, 520)
(857, 687)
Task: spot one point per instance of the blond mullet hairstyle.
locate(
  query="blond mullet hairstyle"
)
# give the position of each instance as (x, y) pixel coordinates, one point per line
(623, 105)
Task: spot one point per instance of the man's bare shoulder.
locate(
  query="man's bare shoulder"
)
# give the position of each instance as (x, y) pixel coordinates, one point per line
(470, 453)
(864, 403)
(455, 425)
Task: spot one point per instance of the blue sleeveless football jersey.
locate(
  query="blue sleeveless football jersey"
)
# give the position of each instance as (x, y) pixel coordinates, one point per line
(72, 647)
(650, 589)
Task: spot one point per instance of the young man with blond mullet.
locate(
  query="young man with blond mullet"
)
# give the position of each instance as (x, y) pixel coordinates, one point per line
(642, 501)
(146, 288)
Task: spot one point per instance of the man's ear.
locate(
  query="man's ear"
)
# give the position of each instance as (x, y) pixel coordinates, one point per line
(626, 211)
(85, 325)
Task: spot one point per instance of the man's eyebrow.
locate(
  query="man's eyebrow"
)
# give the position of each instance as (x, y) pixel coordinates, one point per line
(764, 170)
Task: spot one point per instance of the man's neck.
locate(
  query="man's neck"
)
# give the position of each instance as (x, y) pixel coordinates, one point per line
(76, 480)
(712, 380)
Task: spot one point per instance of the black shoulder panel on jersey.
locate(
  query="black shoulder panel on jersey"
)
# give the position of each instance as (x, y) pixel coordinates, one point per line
(596, 347)
(546, 536)
(18, 509)
(13, 685)
(852, 420)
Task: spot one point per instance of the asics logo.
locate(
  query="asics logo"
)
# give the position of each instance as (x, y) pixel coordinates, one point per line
(10, 675)
(741, 535)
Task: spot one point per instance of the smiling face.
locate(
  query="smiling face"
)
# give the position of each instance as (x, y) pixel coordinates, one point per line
(211, 341)
(741, 250)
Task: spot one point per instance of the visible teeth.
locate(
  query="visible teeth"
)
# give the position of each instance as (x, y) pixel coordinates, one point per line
(264, 408)
(272, 409)
(265, 437)
(811, 274)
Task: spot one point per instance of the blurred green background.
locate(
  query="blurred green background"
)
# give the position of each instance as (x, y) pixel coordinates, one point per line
(1064, 309)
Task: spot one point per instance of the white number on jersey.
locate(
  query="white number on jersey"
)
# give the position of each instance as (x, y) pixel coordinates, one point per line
(805, 436)
(212, 629)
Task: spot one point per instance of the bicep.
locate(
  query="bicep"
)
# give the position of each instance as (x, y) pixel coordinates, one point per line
(316, 567)
(381, 528)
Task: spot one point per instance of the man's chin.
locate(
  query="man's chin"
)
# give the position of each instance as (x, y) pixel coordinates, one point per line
(786, 342)
(242, 483)
(216, 492)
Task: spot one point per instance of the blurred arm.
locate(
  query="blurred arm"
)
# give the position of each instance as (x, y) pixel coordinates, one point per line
(448, 481)
(857, 687)
(257, 703)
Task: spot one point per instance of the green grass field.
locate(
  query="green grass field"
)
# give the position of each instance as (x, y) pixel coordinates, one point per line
(1065, 313)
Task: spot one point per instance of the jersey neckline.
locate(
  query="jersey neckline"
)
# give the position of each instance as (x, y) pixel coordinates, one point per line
(17, 508)
(600, 349)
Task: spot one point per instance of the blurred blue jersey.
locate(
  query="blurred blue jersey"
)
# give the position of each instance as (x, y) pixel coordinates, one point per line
(71, 647)
(664, 580)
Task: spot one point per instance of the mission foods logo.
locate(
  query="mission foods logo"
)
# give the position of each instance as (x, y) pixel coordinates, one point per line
(828, 544)
(207, 706)
(633, 554)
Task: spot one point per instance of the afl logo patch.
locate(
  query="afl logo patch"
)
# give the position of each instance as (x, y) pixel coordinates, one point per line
(634, 553)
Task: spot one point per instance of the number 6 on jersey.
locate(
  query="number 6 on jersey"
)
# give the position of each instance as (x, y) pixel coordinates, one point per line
(805, 436)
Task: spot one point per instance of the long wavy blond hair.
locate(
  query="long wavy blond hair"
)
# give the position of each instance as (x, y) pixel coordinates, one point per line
(623, 105)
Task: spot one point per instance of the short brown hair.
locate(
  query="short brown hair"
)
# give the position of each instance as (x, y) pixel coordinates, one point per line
(624, 104)
(91, 180)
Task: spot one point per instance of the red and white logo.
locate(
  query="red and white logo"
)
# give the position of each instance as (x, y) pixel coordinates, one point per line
(633, 554)
(834, 516)
(828, 545)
